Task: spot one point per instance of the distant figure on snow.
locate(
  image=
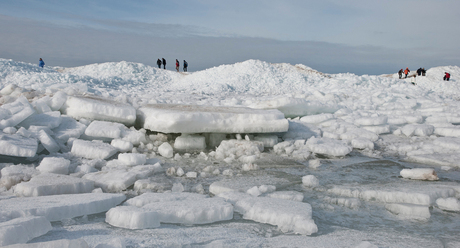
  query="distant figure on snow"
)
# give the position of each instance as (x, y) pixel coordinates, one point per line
(164, 63)
(400, 72)
(185, 65)
(159, 63)
(41, 63)
(177, 65)
(419, 71)
(406, 71)
(447, 76)
(423, 72)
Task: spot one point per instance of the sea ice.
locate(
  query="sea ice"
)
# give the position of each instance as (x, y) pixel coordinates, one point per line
(14, 174)
(56, 165)
(48, 142)
(329, 147)
(184, 208)
(289, 216)
(92, 149)
(59, 207)
(61, 243)
(166, 150)
(175, 118)
(69, 128)
(48, 119)
(187, 142)
(105, 129)
(53, 184)
(409, 211)
(17, 145)
(254, 178)
(22, 229)
(14, 113)
(420, 174)
(448, 204)
(94, 108)
(132, 217)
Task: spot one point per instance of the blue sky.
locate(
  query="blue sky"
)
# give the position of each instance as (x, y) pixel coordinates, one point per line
(363, 37)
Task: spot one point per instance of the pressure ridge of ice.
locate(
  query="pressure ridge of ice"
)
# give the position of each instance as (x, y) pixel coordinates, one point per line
(194, 153)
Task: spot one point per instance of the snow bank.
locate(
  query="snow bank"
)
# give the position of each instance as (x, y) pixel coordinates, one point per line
(61, 243)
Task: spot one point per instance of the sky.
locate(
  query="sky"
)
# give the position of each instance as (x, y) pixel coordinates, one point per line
(332, 36)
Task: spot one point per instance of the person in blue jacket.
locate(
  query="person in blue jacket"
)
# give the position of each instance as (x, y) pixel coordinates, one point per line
(41, 63)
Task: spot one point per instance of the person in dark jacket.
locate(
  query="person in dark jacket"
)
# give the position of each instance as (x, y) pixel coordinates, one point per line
(185, 65)
(423, 72)
(159, 63)
(41, 63)
(419, 71)
(177, 65)
(400, 72)
(164, 63)
(447, 76)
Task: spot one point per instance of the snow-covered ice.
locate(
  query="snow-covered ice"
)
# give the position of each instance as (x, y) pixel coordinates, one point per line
(23, 229)
(251, 131)
(169, 118)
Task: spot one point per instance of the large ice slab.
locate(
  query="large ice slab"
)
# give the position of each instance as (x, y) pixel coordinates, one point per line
(175, 118)
(409, 211)
(105, 129)
(53, 184)
(92, 149)
(119, 179)
(17, 145)
(94, 108)
(184, 208)
(12, 114)
(289, 216)
(59, 207)
(132, 217)
(21, 230)
(69, 128)
(418, 192)
(48, 119)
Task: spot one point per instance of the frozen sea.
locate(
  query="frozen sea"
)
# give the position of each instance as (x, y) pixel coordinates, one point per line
(251, 154)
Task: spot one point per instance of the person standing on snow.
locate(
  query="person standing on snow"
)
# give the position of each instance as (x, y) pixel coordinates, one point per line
(159, 63)
(419, 71)
(423, 72)
(164, 63)
(406, 71)
(185, 65)
(447, 76)
(41, 63)
(177, 65)
(400, 72)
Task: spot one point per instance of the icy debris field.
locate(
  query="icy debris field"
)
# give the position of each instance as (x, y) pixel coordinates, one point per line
(246, 155)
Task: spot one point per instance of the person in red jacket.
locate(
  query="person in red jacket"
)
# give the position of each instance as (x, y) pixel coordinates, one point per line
(177, 65)
(447, 76)
(406, 71)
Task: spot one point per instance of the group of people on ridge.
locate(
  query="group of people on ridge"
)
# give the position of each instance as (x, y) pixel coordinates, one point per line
(420, 72)
(163, 62)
